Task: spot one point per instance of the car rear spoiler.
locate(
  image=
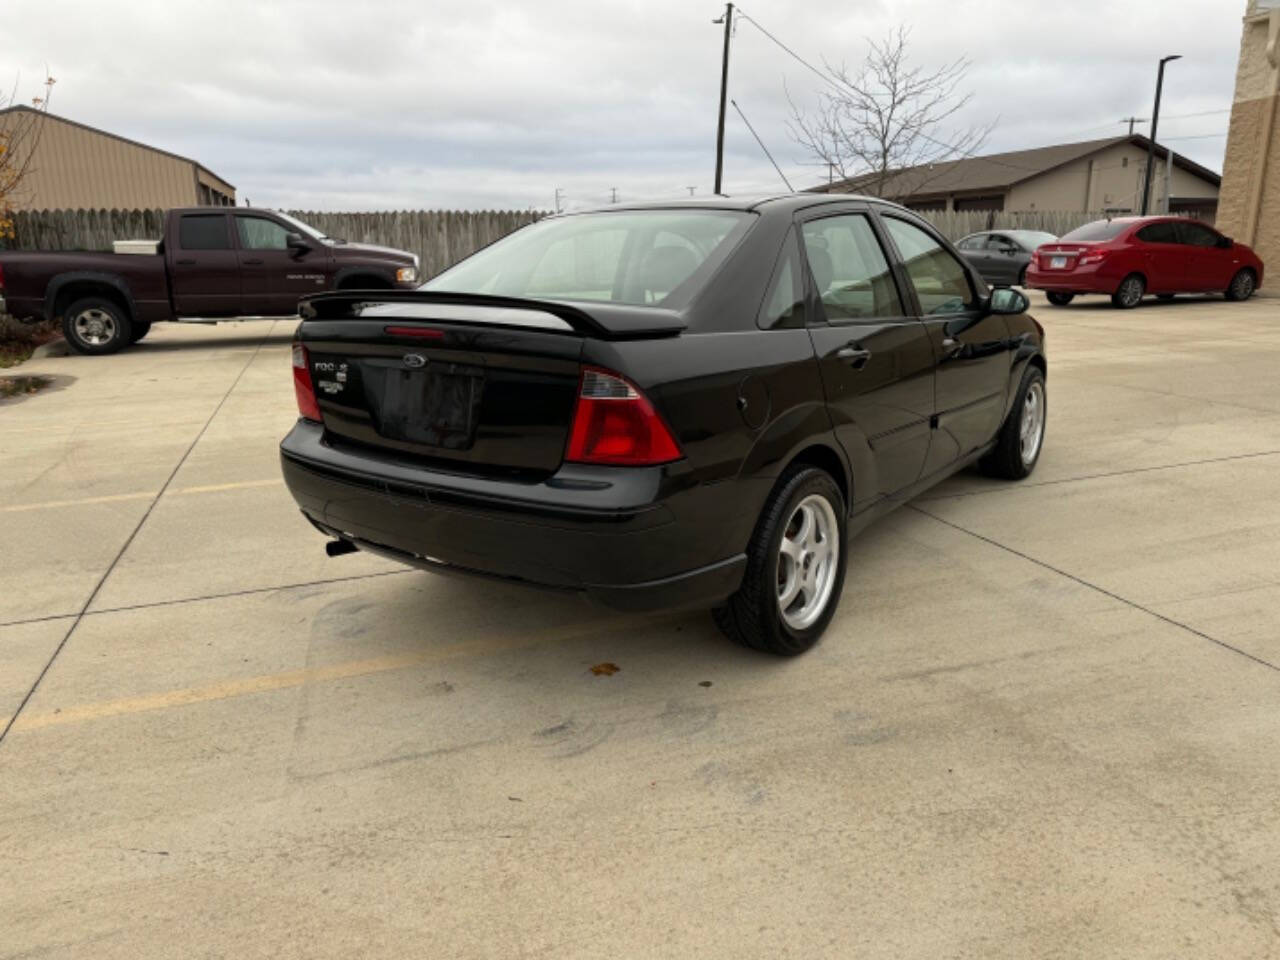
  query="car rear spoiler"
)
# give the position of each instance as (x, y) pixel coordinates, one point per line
(610, 321)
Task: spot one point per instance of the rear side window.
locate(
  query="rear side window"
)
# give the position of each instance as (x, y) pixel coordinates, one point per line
(972, 243)
(1158, 233)
(1196, 234)
(1098, 230)
(850, 271)
(202, 231)
(940, 280)
(784, 303)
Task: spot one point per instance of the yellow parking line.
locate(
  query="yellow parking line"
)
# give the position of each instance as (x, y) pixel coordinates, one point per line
(339, 671)
(140, 495)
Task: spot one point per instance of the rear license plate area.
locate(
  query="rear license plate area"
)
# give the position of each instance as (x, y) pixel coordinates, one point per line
(435, 407)
(1058, 263)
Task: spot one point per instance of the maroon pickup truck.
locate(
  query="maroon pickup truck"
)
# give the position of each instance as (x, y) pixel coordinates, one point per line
(212, 264)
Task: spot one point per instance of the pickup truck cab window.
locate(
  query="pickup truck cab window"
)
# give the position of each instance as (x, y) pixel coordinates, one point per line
(203, 231)
(259, 233)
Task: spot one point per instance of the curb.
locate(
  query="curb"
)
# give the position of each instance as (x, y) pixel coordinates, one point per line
(54, 348)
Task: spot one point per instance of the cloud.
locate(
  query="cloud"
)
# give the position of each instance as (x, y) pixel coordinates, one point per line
(397, 104)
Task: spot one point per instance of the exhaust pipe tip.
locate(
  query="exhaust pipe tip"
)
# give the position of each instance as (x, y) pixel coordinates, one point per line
(336, 548)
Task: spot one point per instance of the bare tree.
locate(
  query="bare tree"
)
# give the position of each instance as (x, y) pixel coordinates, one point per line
(888, 116)
(20, 132)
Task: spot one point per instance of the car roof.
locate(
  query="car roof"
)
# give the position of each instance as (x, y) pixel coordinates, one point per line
(778, 203)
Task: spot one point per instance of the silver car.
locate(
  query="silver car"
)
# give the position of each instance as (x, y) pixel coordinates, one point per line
(1001, 256)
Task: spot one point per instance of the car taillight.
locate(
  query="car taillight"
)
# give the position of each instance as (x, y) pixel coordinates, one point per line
(1, 276)
(1092, 256)
(302, 387)
(614, 423)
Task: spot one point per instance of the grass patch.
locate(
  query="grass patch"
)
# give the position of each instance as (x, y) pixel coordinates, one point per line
(17, 340)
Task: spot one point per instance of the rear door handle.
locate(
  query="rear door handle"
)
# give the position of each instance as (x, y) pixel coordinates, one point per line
(253, 263)
(186, 263)
(854, 355)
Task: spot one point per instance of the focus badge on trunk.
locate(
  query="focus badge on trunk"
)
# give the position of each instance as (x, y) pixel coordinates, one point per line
(415, 361)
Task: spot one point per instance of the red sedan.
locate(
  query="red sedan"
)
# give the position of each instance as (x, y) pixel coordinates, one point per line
(1130, 257)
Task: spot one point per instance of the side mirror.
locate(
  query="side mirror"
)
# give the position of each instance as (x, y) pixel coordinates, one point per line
(295, 243)
(1006, 300)
(1225, 243)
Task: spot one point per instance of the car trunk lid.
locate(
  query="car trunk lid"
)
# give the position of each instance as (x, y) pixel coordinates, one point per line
(468, 383)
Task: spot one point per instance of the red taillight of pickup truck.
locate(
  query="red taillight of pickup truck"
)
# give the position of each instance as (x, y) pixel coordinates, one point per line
(308, 407)
(1, 276)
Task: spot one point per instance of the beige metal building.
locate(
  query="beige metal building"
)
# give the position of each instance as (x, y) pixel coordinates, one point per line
(1250, 204)
(1093, 176)
(77, 166)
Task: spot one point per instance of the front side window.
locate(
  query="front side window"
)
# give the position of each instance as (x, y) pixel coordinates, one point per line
(203, 232)
(1196, 234)
(1000, 243)
(940, 280)
(849, 269)
(259, 233)
(640, 257)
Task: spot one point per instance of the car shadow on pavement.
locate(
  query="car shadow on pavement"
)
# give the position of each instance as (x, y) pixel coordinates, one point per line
(219, 343)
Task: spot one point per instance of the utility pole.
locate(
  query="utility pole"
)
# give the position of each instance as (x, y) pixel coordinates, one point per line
(559, 197)
(724, 91)
(1155, 126)
(1168, 179)
(691, 189)
(1131, 121)
(613, 191)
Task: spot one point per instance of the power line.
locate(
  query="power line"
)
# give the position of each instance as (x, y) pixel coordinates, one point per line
(762, 146)
(743, 15)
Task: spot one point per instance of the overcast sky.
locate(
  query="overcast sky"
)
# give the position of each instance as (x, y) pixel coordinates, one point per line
(384, 104)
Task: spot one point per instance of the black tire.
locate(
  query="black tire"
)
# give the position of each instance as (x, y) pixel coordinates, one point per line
(1130, 292)
(95, 326)
(1060, 299)
(1242, 285)
(751, 617)
(1022, 277)
(140, 328)
(1007, 460)
(1166, 297)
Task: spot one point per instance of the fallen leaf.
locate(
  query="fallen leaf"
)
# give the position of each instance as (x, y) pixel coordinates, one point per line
(605, 669)
(704, 683)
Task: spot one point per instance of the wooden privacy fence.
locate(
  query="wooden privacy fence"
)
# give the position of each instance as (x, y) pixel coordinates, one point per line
(439, 237)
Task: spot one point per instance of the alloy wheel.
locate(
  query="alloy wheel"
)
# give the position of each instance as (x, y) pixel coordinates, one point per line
(1031, 429)
(808, 558)
(95, 327)
(1131, 292)
(1242, 285)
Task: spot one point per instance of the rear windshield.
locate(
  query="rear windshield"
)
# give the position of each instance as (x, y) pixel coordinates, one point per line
(1098, 230)
(648, 257)
(1032, 238)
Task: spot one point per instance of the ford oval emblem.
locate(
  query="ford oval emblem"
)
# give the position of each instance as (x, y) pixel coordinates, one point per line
(415, 361)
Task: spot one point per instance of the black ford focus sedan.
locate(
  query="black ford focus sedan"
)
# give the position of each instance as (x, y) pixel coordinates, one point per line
(678, 404)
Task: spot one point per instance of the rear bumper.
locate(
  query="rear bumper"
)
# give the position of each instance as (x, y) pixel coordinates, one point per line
(605, 533)
(1079, 280)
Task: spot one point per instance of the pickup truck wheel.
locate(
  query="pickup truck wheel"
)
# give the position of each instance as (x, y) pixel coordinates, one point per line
(138, 330)
(95, 325)
(795, 567)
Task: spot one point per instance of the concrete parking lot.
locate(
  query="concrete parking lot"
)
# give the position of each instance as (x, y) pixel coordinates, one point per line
(1045, 722)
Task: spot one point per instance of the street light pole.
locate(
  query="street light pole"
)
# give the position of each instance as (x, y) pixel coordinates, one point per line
(724, 89)
(1155, 126)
